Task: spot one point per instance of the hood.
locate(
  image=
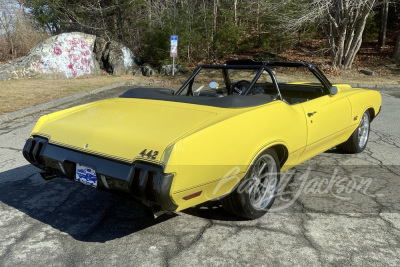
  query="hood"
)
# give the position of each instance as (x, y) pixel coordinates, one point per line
(122, 128)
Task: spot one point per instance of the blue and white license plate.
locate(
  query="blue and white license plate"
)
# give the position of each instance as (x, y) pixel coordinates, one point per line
(86, 175)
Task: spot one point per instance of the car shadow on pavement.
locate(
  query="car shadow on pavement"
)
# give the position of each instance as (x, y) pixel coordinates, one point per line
(85, 213)
(212, 210)
(336, 150)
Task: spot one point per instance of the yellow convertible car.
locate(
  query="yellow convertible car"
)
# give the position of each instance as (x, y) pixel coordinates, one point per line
(226, 134)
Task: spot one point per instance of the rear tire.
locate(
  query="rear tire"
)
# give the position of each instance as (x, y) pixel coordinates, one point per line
(256, 192)
(359, 138)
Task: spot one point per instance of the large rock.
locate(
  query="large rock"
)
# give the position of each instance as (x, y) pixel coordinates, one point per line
(21, 67)
(114, 57)
(66, 55)
(100, 46)
(147, 70)
(167, 69)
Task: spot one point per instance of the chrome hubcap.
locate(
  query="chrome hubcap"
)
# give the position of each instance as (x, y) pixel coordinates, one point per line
(363, 131)
(263, 182)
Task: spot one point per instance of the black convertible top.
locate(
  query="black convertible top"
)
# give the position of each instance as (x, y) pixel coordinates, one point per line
(243, 99)
(230, 101)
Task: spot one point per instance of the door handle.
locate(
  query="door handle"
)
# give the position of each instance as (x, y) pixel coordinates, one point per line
(311, 113)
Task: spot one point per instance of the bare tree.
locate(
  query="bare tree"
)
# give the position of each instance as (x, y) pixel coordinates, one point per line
(344, 28)
(343, 22)
(7, 23)
(383, 22)
(396, 53)
(235, 11)
(17, 33)
(214, 31)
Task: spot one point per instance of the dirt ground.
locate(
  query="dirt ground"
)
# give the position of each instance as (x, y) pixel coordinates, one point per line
(22, 93)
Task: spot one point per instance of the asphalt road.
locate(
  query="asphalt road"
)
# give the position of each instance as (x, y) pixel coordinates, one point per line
(336, 209)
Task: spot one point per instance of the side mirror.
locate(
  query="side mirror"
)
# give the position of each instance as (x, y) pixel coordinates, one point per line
(334, 90)
(213, 85)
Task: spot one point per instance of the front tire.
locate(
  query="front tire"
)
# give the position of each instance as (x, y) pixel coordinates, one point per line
(359, 138)
(256, 192)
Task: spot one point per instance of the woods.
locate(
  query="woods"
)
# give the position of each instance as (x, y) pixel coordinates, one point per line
(209, 30)
(18, 31)
(344, 27)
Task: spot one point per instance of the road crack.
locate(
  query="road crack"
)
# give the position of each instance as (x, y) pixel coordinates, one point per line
(198, 236)
(11, 148)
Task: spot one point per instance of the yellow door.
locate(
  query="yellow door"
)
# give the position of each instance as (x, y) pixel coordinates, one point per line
(327, 118)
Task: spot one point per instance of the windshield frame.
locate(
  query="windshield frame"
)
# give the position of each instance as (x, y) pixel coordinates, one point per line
(261, 66)
(261, 69)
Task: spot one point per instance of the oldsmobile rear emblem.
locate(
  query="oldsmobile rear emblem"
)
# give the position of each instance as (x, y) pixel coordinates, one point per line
(87, 145)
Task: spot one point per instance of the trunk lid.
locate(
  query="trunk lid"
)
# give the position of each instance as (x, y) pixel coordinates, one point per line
(123, 128)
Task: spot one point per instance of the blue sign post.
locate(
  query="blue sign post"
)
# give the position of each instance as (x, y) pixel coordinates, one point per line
(174, 51)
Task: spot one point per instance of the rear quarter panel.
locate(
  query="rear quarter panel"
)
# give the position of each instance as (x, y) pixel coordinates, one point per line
(362, 100)
(215, 158)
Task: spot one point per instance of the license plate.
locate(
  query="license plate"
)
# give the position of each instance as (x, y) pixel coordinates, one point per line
(86, 175)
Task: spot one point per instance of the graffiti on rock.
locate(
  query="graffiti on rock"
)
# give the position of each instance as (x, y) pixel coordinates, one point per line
(70, 54)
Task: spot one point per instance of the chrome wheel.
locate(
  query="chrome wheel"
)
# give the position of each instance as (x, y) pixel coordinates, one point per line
(363, 130)
(263, 182)
(256, 192)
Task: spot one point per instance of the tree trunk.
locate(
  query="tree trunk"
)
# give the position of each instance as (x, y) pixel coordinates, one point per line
(235, 11)
(383, 25)
(12, 50)
(119, 22)
(357, 40)
(102, 19)
(206, 28)
(214, 32)
(344, 30)
(396, 53)
(150, 11)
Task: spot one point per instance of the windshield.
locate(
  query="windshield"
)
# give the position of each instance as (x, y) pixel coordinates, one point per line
(226, 81)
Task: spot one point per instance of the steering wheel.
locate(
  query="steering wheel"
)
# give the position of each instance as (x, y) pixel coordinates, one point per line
(238, 87)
